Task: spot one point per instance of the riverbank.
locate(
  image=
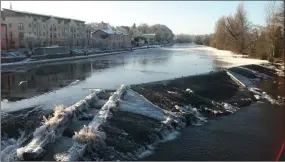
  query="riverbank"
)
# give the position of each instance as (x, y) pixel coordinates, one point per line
(46, 61)
(228, 59)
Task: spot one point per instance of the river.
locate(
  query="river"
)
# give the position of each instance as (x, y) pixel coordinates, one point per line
(253, 133)
(67, 82)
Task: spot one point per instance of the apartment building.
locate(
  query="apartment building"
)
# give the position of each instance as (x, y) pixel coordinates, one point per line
(25, 28)
(111, 39)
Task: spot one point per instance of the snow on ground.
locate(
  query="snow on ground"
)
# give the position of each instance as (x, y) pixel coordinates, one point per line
(229, 57)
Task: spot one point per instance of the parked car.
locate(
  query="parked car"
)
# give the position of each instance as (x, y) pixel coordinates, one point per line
(77, 51)
(7, 57)
(13, 54)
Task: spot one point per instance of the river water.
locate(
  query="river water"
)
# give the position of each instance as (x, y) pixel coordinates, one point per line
(253, 133)
(67, 82)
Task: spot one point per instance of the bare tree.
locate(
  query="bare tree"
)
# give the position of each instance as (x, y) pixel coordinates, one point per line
(30, 41)
(237, 29)
(82, 42)
(275, 26)
(237, 34)
(70, 41)
(219, 38)
(144, 28)
(93, 42)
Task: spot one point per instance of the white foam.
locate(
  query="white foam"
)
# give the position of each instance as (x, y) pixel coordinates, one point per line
(171, 136)
(9, 147)
(265, 96)
(171, 92)
(145, 154)
(200, 119)
(189, 90)
(229, 108)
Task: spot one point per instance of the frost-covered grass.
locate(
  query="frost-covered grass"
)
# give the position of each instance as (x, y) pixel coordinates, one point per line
(84, 136)
(58, 110)
(53, 127)
(90, 136)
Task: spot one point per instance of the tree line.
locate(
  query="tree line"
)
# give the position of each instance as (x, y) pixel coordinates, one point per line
(162, 32)
(197, 39)
(237, 34)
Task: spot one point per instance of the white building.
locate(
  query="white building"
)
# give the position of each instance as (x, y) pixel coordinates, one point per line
(45, 29)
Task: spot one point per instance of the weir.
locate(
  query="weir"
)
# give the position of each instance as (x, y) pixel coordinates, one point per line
(137, 117)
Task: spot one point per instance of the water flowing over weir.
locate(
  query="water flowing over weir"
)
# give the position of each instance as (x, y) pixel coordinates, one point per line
(135, 118)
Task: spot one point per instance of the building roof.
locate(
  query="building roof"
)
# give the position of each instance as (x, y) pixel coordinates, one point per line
(151, 34)
(43, 15)
(110, 32)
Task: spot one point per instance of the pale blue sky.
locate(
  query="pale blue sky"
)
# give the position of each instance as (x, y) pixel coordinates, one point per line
(190, 17)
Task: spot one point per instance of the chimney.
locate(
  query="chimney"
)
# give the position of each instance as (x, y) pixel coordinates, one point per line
(11, 6)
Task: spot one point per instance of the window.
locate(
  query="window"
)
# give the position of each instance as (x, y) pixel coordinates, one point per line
(30, 25)
(50, 35)
(58, 35)
(35, 33)
(30, 33)
(44, 34)
(71, 30)
(10, 33)
(20, 26)
(21, 35)
(10, 25)
(74, 35)
(77, 35)
(44, 26)
(50, 28)
(40, 34)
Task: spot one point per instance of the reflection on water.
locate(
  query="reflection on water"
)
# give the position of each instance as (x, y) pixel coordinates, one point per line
(67, 82)
(32, 82)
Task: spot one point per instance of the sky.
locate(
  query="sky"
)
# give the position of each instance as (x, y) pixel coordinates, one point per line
(188, 17)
